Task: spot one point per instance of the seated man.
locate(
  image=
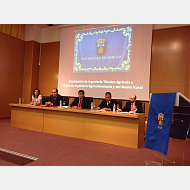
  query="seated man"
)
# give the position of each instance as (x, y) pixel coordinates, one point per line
(133, 102)
(54, 98)
(81, 101)
(106, 104)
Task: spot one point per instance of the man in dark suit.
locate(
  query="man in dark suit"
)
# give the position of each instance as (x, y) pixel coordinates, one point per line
(133, 102)
(106, 104)
(54, 98)
(81, 101)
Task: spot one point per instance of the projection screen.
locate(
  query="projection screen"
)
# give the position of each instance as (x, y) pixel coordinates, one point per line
(100, 58)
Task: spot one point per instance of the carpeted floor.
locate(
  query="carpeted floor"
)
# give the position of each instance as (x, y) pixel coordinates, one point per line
(55, 150)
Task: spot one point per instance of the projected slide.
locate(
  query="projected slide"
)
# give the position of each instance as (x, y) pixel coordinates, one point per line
(104, 49)
(98, 58)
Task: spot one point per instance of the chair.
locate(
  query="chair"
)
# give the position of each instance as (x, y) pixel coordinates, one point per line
(45, 99)
(143, 107)
(90, 99)
(65, 101)
(120, 104)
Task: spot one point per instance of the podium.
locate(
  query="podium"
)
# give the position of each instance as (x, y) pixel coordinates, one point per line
(171, 110)
(181, 117)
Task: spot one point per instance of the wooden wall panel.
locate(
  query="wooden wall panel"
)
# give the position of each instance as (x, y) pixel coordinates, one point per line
(28, 61)
(48, 71)
(35, 67)
(2, 55)
(12, 92)
(46, 88)
(14, 59)
(1, 95)
(170, 61)
(26, 92)
(11, 71)
(35, 64)
(31, 69)
(97, 102)
(170, 88)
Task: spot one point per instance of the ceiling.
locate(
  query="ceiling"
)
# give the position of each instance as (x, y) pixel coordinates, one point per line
(155, 26)
(62, 25)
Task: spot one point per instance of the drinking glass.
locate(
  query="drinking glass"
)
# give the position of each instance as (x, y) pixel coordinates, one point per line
(19, 100)
(94, 106)
(134, 109)
(117, 107)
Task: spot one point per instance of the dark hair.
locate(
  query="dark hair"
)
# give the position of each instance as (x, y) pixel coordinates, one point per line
(56, 89)
(108, 93)
(38, 92)
(81, 91)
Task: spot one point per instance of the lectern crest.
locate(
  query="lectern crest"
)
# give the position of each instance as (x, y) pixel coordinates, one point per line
(160, 119)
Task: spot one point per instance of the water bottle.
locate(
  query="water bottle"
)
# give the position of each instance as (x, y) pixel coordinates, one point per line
(34, 101)
(60, 103)
(91, 106)
(114, 108)
(134, 110)
(19, 100)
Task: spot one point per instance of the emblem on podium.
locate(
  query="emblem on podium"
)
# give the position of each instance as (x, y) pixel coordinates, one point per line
(101, 45)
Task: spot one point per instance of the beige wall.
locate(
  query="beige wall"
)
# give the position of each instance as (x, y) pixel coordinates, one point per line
(51, 34)
(33, 32)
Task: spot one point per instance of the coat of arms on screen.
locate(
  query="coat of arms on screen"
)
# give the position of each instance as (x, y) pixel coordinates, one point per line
(101, 45)
(160, 120)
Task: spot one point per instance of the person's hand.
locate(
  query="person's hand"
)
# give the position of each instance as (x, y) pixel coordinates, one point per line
(106, 109)
(75, 107)
(97, 108)
(48, 103)
(119, 110)
(31, 103)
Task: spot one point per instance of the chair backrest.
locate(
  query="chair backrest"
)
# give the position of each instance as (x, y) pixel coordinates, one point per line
(120, 104)
(90, 99)
(65, 100)
(45, 99)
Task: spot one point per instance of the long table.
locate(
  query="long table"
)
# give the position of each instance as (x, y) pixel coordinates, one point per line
(121, 129)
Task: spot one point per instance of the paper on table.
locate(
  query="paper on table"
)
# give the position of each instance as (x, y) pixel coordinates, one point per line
(62, 106)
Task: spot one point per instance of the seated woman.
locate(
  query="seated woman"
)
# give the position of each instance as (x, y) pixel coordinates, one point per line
(38, 98)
